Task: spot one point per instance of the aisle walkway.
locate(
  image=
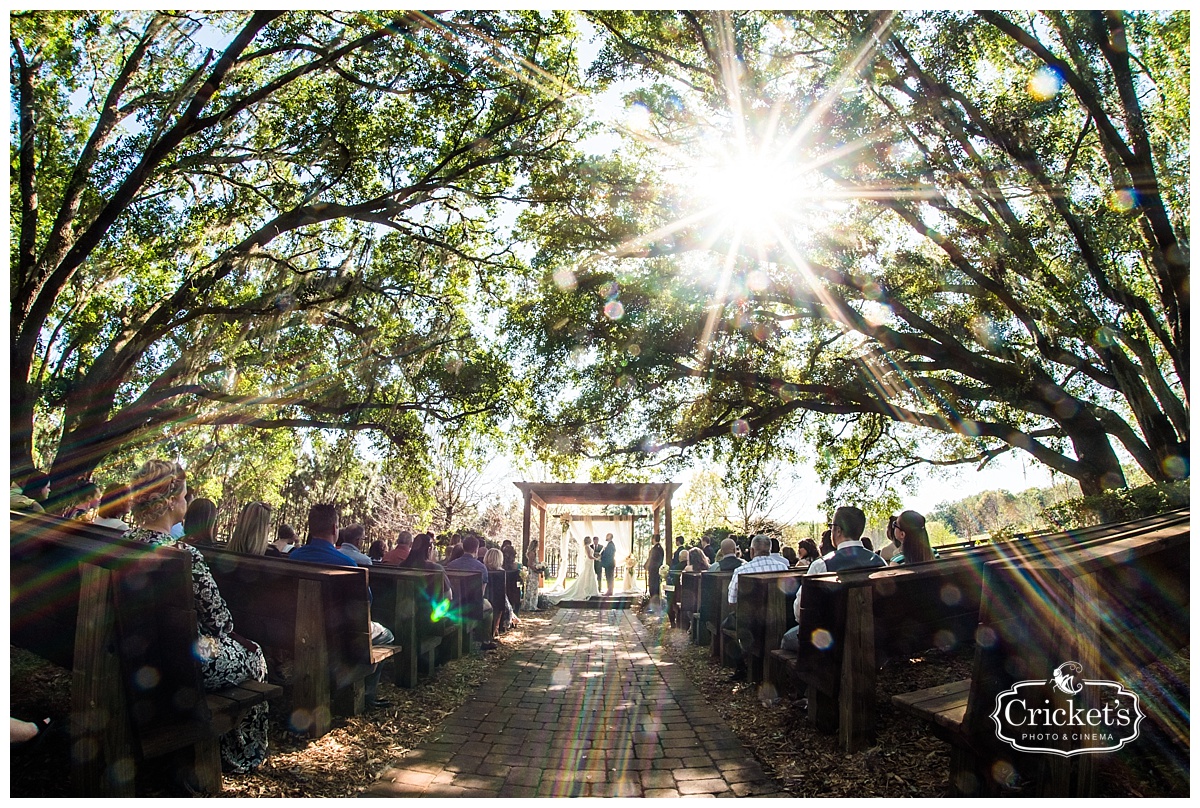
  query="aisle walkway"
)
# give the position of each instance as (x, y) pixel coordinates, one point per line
(588, 708)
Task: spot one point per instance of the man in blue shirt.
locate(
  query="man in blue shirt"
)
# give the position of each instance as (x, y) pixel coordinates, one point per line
(322, 533)
(467, 561)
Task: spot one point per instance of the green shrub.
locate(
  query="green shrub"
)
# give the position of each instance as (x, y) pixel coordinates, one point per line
(1119, 505)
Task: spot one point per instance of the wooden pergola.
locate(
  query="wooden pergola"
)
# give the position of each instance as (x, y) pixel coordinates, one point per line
(542, 495)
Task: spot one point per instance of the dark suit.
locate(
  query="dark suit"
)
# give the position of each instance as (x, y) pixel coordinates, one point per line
(608, 561)
(653, 565)
(596, 564)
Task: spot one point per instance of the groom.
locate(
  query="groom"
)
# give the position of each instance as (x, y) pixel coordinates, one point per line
(608, 560)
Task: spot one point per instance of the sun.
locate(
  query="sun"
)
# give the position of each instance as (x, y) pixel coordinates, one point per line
(755, 196)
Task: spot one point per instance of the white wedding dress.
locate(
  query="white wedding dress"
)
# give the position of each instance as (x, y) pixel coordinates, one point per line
(585, 586)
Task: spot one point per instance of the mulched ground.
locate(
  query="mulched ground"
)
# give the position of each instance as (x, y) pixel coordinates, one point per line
(339, 764)
(906, 762)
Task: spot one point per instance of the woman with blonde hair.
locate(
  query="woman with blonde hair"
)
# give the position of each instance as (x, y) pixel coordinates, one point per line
(159, 491)
(251, 534)
(502, 612)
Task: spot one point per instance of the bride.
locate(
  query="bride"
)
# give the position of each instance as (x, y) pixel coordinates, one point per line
(585, 586)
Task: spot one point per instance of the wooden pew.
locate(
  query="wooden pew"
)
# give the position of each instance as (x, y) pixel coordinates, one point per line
(763, 613)
(714, 606)
(1113, 607)
(121, 616)
(410, 603)
(468, 589)
(513, 590)
(317, 614)
(689, 604)
(854, 621)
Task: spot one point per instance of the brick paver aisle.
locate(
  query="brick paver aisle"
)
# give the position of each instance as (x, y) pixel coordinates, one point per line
(587, 709)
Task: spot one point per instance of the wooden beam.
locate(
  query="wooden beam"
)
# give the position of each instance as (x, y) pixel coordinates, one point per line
(541, 535)
(525, 519)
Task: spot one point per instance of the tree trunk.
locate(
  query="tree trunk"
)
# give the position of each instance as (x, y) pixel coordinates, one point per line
(1099, 468)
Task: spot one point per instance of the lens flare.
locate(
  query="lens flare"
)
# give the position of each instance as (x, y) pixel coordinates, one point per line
(1045, 83)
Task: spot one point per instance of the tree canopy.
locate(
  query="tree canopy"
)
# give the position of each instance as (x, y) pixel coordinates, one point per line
(273, 219)
(880, 240)
(938, 237)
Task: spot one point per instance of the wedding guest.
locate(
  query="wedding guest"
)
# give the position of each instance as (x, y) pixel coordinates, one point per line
(252, 532)
(762, 560)
(114, 507)
(397, 554)
(200, 523)
(672, 584)
(377, 551)
(790, 555)
(826, 543)
(349, 543)
(497, 592)
(456, 552)
(727, 557)
(654, 562)
(35, 485)
(285, 541)
(159, 491)
(322, 532)
(419, 558)
(914, 539)
(696, 561)
(807, 552)
(79, 501)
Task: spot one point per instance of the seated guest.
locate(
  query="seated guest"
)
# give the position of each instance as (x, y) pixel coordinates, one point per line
(114, 507)
(377, 551)
(34, 485)
(913, 539)
(469, 561)
(349, 542)
(866, 542)
(761, 560)
(322, 532)
(285, 541)
(398, 553)
(509, 554)
(672, 582)
(727, 557)
(419, 558)
(848, 524)
(456, 552)
(697, 562)
(200, 523)
(790, 555)
(807, 553)
(497, 592)
(78, 501)
(252, 532)
(775, 547)
(226, 659)
(826, 543)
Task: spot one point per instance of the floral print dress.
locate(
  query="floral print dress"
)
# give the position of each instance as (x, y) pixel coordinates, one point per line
(223, 660)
